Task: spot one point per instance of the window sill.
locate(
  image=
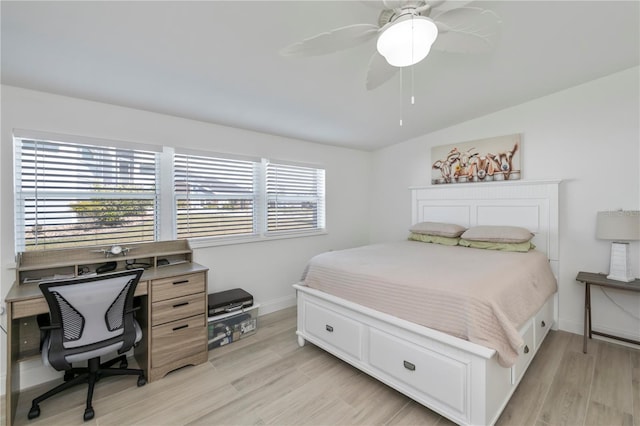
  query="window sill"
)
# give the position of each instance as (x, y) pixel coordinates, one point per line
(204, 242)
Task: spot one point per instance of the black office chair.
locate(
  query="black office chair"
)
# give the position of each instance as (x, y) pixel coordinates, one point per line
(89, 317)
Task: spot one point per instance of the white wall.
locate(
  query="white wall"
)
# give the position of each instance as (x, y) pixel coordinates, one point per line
(588, 136)
(265, 269)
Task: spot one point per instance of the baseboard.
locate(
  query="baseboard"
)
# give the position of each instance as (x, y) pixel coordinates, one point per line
(571, 326)
(33, 373)
(274, 305)
(578, 328)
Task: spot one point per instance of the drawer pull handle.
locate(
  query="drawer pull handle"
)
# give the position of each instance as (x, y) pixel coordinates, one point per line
(177, 305)
(526, 349)
(180, 327)
(328, 328)
(543, 324)
(409, 366)
(181, 282)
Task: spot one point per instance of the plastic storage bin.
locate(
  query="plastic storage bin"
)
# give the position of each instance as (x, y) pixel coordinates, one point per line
(228, 328)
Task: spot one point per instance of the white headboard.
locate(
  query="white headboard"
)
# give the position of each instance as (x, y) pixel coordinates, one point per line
(529, 204)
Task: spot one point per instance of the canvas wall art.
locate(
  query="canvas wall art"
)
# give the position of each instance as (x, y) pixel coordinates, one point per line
(482, 160)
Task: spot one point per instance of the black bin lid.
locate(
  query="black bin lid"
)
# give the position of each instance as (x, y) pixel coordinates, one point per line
(223, 298)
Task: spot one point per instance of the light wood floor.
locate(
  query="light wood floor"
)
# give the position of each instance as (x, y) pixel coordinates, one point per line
(268, 379)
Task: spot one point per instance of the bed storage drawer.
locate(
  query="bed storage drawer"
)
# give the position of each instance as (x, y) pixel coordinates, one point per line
(334, 329)
(431, 374)
(525, 353)
(543, 322)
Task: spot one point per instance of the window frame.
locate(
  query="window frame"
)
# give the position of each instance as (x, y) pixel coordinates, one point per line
(166, 215)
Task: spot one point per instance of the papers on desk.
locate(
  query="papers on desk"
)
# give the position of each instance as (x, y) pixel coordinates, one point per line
(51, 278)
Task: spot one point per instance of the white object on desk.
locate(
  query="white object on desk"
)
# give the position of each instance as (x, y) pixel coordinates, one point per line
(50, 278)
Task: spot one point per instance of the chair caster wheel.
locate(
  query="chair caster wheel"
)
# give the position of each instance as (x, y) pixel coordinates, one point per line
(141, 381)
(124, 364)
(88, 414)
(34, 412)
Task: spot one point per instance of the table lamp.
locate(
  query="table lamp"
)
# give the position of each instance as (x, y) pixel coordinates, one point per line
(620, 227)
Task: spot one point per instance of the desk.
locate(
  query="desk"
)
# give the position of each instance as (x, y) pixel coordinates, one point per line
(173, 320)
(589, 279)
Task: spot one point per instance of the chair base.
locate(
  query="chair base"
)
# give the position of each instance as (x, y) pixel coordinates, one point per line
(92, 374)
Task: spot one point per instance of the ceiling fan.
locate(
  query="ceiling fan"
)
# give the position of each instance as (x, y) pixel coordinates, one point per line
(406, 31)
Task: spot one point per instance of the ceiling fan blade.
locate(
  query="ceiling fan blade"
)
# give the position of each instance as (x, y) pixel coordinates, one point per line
(467, 30)
(384, 4)
(435, 3)
(332, 41)
(379, 71)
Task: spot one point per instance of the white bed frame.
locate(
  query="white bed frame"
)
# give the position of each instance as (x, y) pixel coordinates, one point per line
(454, 377)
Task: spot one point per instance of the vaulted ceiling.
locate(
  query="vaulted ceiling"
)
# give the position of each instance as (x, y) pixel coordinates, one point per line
(218, 61)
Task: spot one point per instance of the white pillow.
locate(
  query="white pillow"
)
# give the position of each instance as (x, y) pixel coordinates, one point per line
(450, 230)
(498, 234)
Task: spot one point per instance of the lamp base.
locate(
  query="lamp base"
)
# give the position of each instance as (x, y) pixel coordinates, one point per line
(622, 279)
(620, 266)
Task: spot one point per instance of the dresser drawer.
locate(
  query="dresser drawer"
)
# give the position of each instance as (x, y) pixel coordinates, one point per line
(436, 376)
(543, 322)
(178, 339)
(182, 285)
(178, 308)
(335, 329)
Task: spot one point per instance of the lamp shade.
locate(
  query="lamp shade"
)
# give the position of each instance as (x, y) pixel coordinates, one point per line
(407, 40)
(618, 225)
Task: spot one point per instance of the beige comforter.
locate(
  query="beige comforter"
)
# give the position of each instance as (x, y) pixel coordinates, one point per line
(483, 296)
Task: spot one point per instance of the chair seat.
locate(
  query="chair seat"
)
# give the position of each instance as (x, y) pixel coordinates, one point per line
(83, 356)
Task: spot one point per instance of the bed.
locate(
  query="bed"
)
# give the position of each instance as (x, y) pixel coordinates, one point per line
(462, 366)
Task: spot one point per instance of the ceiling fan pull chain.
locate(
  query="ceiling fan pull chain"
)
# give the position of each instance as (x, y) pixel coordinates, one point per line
(413, 99)
(401, 94)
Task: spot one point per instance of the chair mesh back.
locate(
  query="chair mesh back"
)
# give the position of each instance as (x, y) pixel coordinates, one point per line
(115, 314)
(72, 320)
(92, 310)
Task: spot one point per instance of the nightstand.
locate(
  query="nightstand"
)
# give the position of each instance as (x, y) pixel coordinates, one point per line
(589, 279)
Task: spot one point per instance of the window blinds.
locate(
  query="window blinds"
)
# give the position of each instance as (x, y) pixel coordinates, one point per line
(71, 194)
(295, 198)
(214, 196)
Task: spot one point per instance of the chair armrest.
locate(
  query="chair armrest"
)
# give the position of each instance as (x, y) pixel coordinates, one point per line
(137, 308)
(50, 327)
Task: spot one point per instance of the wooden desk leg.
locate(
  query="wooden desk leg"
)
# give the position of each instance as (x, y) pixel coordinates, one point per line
(587, 316)
(12, 387)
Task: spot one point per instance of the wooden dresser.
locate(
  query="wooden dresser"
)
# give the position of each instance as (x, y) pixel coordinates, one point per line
(171, 295)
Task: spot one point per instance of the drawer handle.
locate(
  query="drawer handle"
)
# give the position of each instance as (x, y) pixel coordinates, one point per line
(180, 327)
(181, 282)
(177, 305)
(328, 328)
(526, 349)
(543, 324)
(409, 366)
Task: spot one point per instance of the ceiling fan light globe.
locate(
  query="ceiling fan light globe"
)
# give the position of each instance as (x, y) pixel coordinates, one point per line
(407, 41)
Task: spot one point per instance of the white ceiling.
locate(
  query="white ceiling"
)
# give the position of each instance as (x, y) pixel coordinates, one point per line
(218, 62)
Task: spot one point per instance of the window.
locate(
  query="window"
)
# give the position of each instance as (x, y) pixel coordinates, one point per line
(295, 198)
(214, 196)
(70, 195)
(73, 192)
